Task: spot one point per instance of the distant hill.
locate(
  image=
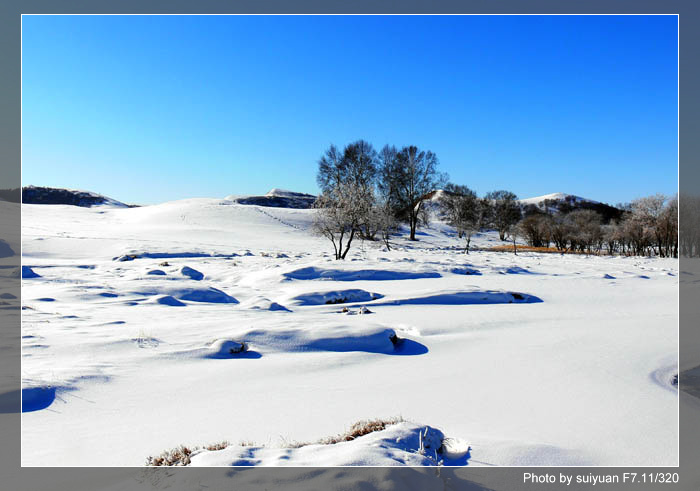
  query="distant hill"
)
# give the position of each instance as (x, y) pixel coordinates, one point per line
(56, 196)
(553, 204)
(564, 203)
(278, 198)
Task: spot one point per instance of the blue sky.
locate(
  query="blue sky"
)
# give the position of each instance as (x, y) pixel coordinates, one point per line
(147, 109)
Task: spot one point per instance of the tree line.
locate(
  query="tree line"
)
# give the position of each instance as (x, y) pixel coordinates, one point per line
(367, 194)
(645, 227)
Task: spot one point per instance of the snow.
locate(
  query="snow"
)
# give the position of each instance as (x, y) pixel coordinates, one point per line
(283, 193)
(534, 359)
(400, 444)
(555, 197)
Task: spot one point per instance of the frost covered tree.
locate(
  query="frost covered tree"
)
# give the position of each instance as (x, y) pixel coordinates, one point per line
(339, 215)
(361, 162)
(407, 176)
(360, 165)
(331, 169)
(505, 211)
(667, 226)
(355, 166)
(659, 215)
(384, 222)
(465, 211)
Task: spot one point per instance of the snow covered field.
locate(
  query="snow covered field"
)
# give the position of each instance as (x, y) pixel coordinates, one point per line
(130, 316)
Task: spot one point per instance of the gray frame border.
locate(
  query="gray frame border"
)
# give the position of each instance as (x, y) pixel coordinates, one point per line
(362, 478)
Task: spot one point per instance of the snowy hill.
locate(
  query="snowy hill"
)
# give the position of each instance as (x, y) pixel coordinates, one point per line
(57, 196)
(278, 198)
(537, 200)
(564, 203)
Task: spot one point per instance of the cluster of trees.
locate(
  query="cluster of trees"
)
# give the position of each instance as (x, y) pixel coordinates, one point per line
(367, 194)
(470, 214)
(646, 226)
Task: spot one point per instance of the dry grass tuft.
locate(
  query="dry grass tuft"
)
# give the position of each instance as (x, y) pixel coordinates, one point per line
(179, 456)
(217, 446)
(361, 428)
(545, 250)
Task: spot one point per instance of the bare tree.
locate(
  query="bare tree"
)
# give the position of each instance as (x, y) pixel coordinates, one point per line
(361, 161)
(408, 176)
(339, 214)
(465, 211)
(668, 228)
(331, 169)
(585, 229)
(384, 222)
(536, 229)
(506, 211)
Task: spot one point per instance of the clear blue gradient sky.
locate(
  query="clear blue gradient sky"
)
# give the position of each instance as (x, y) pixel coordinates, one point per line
(147, 109)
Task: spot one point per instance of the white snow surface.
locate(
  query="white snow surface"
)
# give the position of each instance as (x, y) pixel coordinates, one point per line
(534, 359)
(556, 197)
(284, 193)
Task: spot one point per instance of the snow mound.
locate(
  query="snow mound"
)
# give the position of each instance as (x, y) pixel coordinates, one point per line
(334, 297)
(262, 303)
(336, 339)
(226, 348)
(315, 273)
(192, 273)
(513, 270)
(402, 443)
(171, 301)
(465, 271)
(209, 295)
(478, 297)
(197, 294)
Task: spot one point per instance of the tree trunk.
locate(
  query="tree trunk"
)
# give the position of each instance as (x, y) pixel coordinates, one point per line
(339, 251)
(335, 249)
(347, 246)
